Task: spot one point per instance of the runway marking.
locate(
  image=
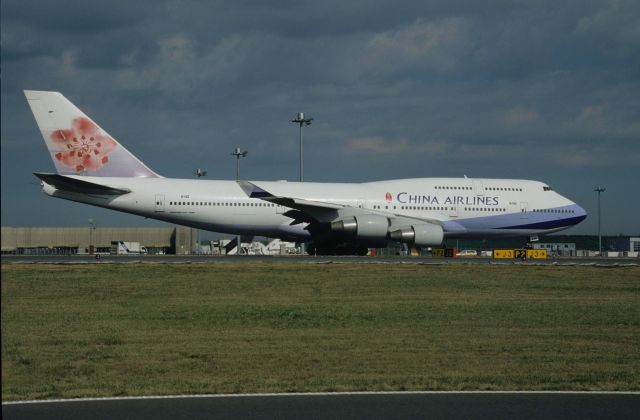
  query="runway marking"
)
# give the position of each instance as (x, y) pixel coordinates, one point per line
(318, 394)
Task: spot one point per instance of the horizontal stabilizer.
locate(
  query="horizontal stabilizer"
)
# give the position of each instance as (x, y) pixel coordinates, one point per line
(69, 184)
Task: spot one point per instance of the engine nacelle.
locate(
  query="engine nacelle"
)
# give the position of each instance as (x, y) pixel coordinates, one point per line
(424, 234)
(366, 227)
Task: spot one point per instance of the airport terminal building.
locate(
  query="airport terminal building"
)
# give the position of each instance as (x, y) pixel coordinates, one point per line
(181, 240)
(80, 240)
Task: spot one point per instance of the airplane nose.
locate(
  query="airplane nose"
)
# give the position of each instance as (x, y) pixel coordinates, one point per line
(580, 213)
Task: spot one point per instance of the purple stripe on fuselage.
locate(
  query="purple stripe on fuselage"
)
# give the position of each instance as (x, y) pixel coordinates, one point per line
(553, 218)
(550, 224)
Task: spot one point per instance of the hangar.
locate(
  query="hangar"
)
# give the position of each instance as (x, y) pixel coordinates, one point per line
(184, 241)
(79, 240)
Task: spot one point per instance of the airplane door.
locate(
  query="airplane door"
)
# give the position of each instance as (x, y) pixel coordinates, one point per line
(279, 209)
(453, 211)
(159, 208)
(524, 207)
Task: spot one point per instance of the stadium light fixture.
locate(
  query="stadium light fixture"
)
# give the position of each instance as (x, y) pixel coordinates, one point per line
(238, 153)
(301, 120)
(92, 227)
(599, 190)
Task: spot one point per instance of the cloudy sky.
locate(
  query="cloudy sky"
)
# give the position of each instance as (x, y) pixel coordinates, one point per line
(545, 90)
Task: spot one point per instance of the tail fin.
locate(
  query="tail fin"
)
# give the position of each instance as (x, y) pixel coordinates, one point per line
(78, 146)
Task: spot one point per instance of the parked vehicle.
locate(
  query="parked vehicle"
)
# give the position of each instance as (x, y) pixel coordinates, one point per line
(467, 253)
(127, 248)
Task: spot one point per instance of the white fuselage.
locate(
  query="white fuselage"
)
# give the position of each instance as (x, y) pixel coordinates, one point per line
(94, 168)
(463, 207)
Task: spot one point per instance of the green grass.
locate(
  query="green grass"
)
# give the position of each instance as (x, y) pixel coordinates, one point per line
(142, 329)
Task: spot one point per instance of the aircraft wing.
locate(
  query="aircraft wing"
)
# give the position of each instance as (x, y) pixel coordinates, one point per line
(305, 210)
(322, 211)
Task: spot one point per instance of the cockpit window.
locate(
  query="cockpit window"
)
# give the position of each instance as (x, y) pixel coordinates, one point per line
(547, 188)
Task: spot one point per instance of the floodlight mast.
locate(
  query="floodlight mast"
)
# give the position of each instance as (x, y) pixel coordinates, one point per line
(200, 173)
(238, 153)
(300, 119)
(92, 227)
(599, 190)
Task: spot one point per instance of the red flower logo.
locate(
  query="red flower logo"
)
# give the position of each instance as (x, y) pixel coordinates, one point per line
(388, 197)
(83, 146)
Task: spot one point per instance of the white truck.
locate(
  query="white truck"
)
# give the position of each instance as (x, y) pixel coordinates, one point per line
(127, 248)
(467, 253)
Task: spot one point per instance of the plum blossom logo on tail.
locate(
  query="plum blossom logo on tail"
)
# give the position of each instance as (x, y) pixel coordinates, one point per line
(83, 146)
(388, 197)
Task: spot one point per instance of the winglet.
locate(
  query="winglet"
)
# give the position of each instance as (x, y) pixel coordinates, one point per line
(253, 191)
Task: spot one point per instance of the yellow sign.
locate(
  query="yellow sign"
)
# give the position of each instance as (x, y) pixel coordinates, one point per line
(537, 253)
(437, 253)
(503, 253)
(520, 253)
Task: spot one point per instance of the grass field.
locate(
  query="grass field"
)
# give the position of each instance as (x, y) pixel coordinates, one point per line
(142, 329)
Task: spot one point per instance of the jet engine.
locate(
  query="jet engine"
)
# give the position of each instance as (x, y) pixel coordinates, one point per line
(366, 227)
(423, 234)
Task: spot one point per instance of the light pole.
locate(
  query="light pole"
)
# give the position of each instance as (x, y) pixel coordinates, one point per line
(599, 190)
(92, 227)
(199, 173)
(300, 119)
(238, 153)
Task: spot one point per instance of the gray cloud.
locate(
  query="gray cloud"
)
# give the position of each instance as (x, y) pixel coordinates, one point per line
(73, 17)
(531, 89)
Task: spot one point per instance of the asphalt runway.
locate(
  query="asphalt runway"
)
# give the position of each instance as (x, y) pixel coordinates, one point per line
(447, 405)
(194, 259)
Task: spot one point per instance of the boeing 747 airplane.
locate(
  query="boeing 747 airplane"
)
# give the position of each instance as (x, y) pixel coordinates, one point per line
(93, 168)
